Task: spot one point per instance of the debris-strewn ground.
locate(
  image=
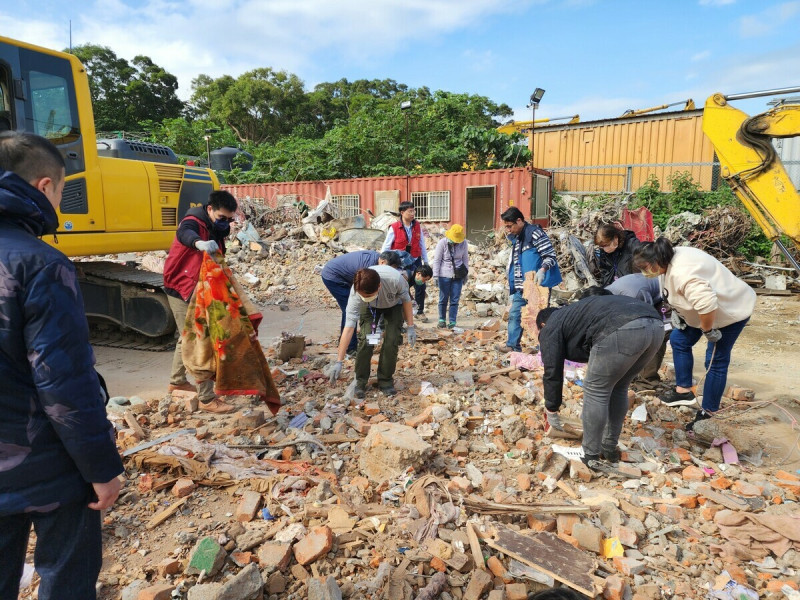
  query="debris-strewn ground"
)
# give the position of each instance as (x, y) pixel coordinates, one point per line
(450, 489)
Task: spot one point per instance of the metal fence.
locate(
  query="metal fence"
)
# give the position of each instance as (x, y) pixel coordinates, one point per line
(611, 179)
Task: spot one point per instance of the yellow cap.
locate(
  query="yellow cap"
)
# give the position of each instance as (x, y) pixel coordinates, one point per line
(455, 234)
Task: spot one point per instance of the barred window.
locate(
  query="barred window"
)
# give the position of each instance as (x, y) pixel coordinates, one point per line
(432, 206)
(349, 205)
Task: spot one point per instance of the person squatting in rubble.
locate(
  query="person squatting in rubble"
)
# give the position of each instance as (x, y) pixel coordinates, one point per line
(203, 229)
(450, 267)
(647, 290)
(379, 291)
(617, 336)
(59, 465)
(531, 252)
(339, 273)
(612, 256)
(407, 234)
(707, 300)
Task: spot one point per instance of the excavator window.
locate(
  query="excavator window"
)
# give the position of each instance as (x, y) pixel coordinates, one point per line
(5, 100)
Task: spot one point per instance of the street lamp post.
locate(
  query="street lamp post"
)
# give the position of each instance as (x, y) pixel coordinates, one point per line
(536, 97)
(405, 107)
(207, 138)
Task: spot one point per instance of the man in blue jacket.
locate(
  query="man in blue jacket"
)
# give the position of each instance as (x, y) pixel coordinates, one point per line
(59, 465)
(531, 252)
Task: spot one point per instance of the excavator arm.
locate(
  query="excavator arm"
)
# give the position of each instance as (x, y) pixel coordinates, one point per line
(750, 164)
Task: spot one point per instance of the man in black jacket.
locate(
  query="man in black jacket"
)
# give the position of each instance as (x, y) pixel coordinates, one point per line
(59, 464)
(616, 336)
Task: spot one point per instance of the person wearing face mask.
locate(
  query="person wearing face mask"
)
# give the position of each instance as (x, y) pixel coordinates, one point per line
(612, 256)
(203, 229)
(710, 301)
(379, 291)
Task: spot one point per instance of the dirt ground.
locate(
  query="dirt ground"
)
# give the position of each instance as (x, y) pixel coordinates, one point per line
(765, 359)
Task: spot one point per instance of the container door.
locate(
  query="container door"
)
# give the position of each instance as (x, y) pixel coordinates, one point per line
(480, 212)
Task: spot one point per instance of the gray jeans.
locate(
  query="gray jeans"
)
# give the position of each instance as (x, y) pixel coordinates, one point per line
(613, 363)
(205, 389)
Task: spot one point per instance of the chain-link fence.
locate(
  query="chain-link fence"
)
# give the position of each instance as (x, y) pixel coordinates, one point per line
(579, 180)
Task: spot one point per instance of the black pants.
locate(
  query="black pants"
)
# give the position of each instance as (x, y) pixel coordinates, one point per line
(68, 553)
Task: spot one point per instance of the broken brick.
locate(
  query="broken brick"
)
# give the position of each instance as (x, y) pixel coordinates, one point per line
(248, 506)
(315, 544)
(183, 487)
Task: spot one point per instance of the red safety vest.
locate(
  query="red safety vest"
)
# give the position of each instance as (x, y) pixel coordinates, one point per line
(182, 267)
(401, 241)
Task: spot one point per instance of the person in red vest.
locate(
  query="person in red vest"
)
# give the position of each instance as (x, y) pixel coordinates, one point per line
(203, 229)
(407, 235)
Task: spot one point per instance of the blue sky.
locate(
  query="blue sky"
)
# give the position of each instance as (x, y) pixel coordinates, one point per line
(596, 58)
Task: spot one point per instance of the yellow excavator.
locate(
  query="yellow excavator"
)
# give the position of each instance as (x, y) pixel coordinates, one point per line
(750, 163)
(120, 195)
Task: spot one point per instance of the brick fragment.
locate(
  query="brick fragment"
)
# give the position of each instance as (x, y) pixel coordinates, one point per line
(426, 416)
(479, 583)
(498, 570)
(161, 591)
(565, 523)
(541, 523)
(692, 473)
(437, 564)
(671, 511)
(183, 487)
(613, 588)
(589, 537)
(629, 566)
(315, 544)
(578, 470)
(721, 483)
(248, 506)
(168, 566)
(523, 481)
(274, 554)
(516, 591)
(372, 408)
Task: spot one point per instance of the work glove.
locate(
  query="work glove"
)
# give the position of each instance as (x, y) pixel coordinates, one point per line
(539, 277)
(412, 335)
(553, 420)
(677, 321)
(333, 370)
(211, 247)
(713, 335)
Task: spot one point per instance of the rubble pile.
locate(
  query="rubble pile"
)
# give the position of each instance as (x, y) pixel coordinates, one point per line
(718, 231)
(448, 490)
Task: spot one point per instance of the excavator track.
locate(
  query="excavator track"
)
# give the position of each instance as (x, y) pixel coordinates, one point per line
(126, 307)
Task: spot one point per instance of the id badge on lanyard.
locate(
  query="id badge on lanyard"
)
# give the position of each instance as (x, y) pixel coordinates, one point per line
(374, 338)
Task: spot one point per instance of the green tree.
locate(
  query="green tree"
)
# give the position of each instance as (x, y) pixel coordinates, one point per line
(125, 94)
(260, 106)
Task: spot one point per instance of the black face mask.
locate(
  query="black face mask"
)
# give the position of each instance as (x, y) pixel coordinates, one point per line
(222, 227)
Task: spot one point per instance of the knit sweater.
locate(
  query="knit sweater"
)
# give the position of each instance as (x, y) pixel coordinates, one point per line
(697, 284)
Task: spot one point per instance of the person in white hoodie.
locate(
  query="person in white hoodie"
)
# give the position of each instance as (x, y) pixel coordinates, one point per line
(707, 300)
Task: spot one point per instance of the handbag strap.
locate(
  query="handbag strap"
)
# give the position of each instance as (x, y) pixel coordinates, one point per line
(452, 257)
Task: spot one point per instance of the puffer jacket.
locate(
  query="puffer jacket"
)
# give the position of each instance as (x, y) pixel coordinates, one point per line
(55, 438)
(607, 268)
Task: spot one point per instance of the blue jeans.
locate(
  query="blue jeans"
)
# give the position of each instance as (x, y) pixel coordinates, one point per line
(515, 321)
(682, 341)
(449, 291)
(613, 362)
(68, 553)
(341, 293)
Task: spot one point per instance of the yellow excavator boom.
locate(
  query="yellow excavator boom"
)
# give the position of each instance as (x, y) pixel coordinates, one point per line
(750, 164)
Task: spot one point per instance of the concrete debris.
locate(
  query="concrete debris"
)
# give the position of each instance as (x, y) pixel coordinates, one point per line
(450, 489)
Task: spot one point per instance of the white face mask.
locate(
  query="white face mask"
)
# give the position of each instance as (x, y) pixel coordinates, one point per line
(368, 299)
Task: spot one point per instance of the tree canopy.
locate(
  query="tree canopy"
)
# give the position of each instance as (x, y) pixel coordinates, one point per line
(127, 93)
(338, 129)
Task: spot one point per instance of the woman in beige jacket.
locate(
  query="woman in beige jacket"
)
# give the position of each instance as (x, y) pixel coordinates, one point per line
(712, 302)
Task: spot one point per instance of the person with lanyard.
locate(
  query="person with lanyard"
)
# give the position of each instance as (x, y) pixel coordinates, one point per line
(407, 234)
(379, 291)
(612, 256)
(339, 273)
(531, 253)
(450, 267)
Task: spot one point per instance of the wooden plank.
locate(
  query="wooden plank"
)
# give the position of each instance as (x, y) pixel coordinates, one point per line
(475, 547)
(165, 514)
(726, 500)
(130, 419)
(550, 554)
(396, 586)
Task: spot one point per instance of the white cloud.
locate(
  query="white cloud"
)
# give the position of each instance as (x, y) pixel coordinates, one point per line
(768, 20)
(232, 36)
(716, 2)
(701, 56)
